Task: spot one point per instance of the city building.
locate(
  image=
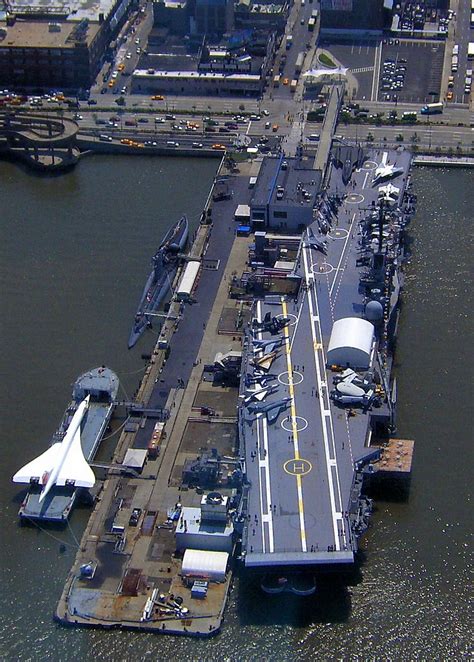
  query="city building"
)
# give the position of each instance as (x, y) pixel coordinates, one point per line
(233, 68)
(173, 15)
(213, 17)
(271, 16)
(60, 47)
(346, 17)
(285, 194)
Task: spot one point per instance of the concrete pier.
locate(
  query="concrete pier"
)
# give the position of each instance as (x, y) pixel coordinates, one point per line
(131, 567)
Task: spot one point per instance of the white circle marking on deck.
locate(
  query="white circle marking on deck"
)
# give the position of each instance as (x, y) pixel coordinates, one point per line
(301, 423)
(284, 379)
(322, 269)
(354, 198)
(339, 233)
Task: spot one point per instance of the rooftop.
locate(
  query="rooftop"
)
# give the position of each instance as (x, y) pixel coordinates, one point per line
(210, 75)
(73, 9)
(37, 34)
(296, 183)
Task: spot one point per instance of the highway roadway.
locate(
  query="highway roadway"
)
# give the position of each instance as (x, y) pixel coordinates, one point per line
(432, 134)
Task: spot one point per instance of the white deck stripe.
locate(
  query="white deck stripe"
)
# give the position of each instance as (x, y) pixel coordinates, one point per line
(265, 463)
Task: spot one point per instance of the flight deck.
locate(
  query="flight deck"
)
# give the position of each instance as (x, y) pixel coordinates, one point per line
(303, 449)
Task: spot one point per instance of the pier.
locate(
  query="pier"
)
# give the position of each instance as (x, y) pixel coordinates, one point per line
(136, 563)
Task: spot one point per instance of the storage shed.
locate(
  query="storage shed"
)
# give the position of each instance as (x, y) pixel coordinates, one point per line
(200, 563)
(135, 458)
(350, 343)
(188, 280)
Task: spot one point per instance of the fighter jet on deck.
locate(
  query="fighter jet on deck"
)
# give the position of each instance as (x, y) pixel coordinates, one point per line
(258, 395)
(385, 171)
(265, 362)
(267, 346)
(272, 410)
(270, 324)
(313, 242)
(260, 378)
(63, 463)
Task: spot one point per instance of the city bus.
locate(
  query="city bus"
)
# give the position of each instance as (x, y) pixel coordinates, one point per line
(299, 63)
(432, 109)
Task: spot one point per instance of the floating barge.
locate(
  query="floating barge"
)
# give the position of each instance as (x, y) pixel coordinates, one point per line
(102, 386)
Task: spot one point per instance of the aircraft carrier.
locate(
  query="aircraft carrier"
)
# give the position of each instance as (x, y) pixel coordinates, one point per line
(101, 384)
(267, 407)
(317, 393)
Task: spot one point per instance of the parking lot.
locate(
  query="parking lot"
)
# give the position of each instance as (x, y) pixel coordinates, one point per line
(360, 57)
(420, 63)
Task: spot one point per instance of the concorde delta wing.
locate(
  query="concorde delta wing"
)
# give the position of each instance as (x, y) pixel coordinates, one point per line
(75, 468)
(41, 465)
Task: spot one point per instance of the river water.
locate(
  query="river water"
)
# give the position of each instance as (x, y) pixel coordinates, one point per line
(74, 254)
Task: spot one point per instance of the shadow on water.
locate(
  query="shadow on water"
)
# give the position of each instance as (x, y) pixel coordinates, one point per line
(36, 172)
(331, 603)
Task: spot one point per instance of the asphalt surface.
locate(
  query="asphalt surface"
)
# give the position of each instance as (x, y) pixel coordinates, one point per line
(360, 57)
(424, 67)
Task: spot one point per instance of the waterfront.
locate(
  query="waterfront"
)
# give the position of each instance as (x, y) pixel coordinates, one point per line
(73, 302)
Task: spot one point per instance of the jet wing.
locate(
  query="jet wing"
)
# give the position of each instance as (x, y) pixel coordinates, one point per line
(261, 395)
(75, 467)
(273, 415)
(39, 466)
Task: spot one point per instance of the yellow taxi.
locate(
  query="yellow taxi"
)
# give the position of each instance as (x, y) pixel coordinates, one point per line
(157, 97)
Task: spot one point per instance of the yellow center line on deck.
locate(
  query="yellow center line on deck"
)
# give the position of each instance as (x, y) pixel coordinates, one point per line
(294, 427)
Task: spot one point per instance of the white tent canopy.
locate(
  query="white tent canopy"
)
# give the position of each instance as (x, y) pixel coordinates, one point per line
(318, 73)
(351, 342)
(188, 279)
(200, 563)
